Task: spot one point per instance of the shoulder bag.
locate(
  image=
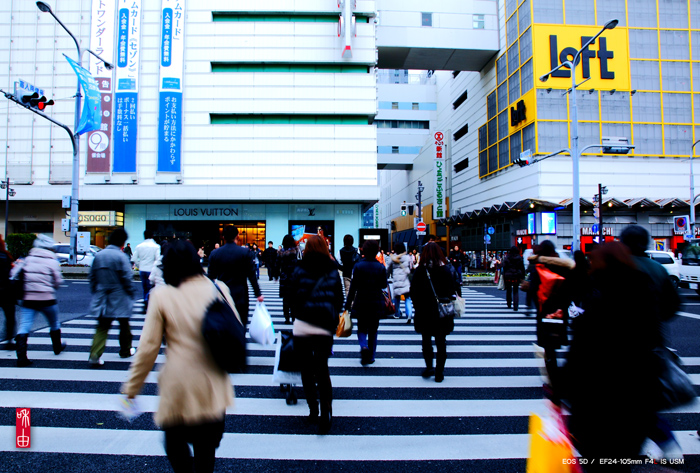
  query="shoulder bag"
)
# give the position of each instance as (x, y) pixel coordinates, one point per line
(225, 335)
(446, 307)
(676, 386)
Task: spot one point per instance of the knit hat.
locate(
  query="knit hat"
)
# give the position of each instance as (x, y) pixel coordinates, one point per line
(42, 241)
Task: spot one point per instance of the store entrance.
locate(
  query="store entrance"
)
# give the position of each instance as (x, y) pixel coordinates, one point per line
(207, 233)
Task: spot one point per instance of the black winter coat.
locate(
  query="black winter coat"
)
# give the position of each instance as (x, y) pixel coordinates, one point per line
(427, 319)
(609, 378)
(287, 262)
(365, 297)
(349, 257)
(513, 267)
(233, 264)
(317, 293)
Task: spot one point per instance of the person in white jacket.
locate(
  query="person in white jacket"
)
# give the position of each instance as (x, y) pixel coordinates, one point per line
(145, 256)
(42, 277)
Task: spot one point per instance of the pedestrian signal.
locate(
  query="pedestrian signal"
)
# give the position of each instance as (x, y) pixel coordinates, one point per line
(404, 209)
(36, 102)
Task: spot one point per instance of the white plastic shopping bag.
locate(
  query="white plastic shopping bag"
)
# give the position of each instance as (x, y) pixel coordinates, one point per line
(261, 329)
(283, 377)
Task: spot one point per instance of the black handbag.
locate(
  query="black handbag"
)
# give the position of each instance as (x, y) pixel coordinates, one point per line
(288, 358)
(446, 306)
(676, 386)
(225, 335)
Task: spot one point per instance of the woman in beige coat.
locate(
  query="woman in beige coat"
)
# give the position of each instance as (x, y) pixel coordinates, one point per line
(194, 391)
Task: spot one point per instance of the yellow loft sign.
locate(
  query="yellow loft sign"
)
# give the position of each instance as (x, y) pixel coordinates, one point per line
(522, 112)
(605, 61)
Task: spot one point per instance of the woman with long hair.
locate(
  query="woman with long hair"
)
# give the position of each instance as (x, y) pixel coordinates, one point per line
(433, 280)
(7, 299)
(194, 391)
(316, 306)
(366, 301)
(287, 261)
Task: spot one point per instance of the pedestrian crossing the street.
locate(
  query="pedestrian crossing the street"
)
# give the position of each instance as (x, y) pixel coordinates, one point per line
(476, 420)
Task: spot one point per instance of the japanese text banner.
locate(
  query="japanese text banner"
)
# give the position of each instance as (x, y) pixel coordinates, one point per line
(126, 107)
(171, 75)
(102, 42)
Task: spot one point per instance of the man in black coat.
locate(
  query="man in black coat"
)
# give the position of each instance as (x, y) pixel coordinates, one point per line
(349, 256)
(233, 264)
(269, 256)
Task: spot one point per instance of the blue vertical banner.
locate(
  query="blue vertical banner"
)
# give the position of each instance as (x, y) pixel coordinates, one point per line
(127, 90)
(172, 52)
(91, 117)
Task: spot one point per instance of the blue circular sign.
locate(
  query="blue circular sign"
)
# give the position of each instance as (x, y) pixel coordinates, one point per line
(594, 228)
(491, 230)
(487, 238)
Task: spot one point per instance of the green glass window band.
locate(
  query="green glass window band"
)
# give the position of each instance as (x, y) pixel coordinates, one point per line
(250, 119)
(293, 67)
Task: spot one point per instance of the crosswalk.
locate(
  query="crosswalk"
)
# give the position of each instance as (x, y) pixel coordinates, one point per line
(475, 420)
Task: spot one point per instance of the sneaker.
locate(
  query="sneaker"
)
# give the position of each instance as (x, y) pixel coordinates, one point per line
(132, 352)
(96, 363)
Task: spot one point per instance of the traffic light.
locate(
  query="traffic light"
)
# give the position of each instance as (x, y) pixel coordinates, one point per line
(521, 162)
(36, 102)
(404, 209)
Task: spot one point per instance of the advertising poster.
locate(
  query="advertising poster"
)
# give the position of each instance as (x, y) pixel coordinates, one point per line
(172, 52)
(302, 230)
(126, 97)
(102, 23)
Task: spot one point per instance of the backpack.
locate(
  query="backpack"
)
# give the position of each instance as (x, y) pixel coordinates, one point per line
(225, 335)
(549, 282)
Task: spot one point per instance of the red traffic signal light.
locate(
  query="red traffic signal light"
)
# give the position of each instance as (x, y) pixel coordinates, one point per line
(521, 162)
(36, 102)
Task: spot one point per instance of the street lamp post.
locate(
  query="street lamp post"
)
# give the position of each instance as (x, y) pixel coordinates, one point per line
(8, 193)
(692, 192)
(574, 130)
(76, 148)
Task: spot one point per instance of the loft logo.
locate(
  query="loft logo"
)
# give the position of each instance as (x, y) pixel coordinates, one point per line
(567, 54)
(517, 113)
(605, 63)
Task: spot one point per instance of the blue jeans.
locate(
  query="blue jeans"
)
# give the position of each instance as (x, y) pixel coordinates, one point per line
(145, 284)
(368, 340)
(26, 318)
(408, 306)
(257, 270)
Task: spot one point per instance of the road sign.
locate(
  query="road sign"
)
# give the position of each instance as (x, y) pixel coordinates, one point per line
(595, 228)
(421, 227)
(487, 239)
(687, 236)
(491, 230)
(526, 155)
(596, 239)
(420, 233)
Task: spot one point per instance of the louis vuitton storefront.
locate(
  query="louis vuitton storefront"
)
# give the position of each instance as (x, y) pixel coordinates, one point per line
(203, 223)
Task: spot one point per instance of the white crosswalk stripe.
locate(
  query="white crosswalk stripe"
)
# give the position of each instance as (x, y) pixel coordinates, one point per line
(384, 412)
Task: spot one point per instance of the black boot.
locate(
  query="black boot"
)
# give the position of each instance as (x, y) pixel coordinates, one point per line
(22, 350)
(58, 347)
(313, 411)
(324, 424)
(428, 371)
(440, 369)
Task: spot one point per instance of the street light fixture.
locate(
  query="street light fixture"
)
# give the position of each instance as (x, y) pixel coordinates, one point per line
(574, 130)
(75, 195)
